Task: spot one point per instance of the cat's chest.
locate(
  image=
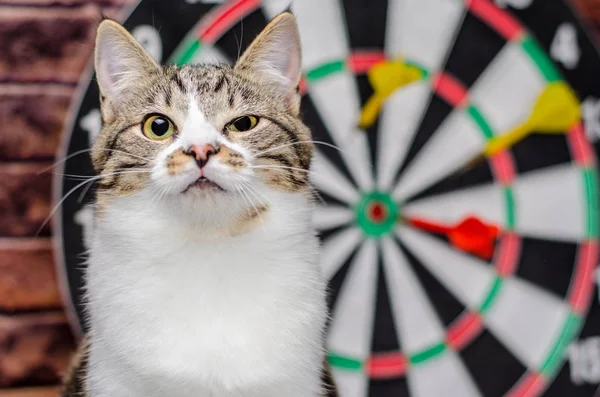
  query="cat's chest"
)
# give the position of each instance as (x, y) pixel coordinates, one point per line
(237, 312)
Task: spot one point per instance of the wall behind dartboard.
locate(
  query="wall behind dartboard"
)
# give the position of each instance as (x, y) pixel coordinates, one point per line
(44, 47)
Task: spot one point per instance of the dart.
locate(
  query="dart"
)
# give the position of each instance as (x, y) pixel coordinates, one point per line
(470, 235)
(385, 77)
(556, 111)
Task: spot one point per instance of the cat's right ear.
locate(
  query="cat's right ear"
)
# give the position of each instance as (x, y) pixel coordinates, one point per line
(121, 61)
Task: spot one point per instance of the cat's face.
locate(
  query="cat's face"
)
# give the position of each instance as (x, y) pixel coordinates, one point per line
(214, 137)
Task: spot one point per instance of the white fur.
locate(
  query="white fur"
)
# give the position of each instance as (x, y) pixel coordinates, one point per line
(178, 310)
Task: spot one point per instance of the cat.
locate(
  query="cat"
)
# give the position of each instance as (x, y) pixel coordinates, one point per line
(203, 277)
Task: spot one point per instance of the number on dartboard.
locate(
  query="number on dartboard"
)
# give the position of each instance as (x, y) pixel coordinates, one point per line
(517, 4)
(591, 117)
(150, 39)
(564, 47)
(91, 123)
(584, 361)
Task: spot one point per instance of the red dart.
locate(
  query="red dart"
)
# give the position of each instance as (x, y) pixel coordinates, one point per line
(470, 235)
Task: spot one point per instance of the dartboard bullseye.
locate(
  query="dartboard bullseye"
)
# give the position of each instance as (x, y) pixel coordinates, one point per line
(456, 163)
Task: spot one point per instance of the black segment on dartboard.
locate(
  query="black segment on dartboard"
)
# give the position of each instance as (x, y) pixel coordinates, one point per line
(539, 151)
(366, 25)
(562, 386)
(446, 306)
(396, 387)
(437, 111)
(384, 338)
(235, 40)
(547, 264)
(173, 20)
(494, 369)
(312, 119)
(336, 282)
(472, 175)
(542, 18)
(476, 46)
(573, 379)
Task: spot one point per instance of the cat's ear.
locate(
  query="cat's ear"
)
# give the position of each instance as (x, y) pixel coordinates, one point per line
(275, 57)
(121, 61)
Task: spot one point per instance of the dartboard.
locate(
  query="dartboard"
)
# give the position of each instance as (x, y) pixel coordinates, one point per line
(456, 179)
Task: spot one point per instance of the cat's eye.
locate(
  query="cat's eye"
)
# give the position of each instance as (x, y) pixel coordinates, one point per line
(158, 128)
(245, 123)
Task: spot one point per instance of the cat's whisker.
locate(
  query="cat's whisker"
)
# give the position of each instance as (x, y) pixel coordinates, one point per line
(297, 143)
(261, 195)
(283, 167)
(62, 201)
(77, 153)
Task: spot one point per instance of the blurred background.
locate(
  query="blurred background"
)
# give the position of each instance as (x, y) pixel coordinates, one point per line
(45, 46)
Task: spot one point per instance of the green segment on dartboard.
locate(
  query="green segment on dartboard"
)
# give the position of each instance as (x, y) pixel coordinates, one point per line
(478, 118)
(590, 180)
(537, 54)
(555, 358)
(188, 54)
(427, 354)
(376, 214)
(343, 362)
(324, 70)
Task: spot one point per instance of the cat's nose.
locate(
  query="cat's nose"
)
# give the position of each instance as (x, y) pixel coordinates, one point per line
(201, 153)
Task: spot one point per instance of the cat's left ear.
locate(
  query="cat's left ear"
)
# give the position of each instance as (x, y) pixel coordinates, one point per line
(275, 58)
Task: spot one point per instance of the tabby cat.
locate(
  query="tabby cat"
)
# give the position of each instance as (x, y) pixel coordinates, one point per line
(203, 276)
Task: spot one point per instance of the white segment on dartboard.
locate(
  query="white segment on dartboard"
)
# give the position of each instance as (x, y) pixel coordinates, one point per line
(330, 216)
(416, 30)
(323, 33)
(439, 376)
(416, 321)
(350, 383)
(351, 327)
(209, 55)
(419, 30)
(527, 320)
(550, 203)
(469, 279)
(400, 117)
(330, 180)
(486, 202)
(457, 140)
(336, 250)
(507, 91)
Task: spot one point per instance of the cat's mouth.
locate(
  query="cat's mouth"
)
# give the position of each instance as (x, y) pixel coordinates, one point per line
(203, 183)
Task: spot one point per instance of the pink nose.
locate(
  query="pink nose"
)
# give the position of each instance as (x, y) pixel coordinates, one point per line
(201, 153)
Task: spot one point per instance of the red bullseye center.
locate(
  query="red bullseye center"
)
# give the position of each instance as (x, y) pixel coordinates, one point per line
(377, 212)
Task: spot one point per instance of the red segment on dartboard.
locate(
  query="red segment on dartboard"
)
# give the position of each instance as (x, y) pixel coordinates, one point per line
(500, 20)
(470, 235)
(224, 17)
(360, 62)
(464, 330)
(580, 147)
(503, 167)
(508, 257)
(530, 385)
(450, 89)
(587, 258)
(377, 212)
(387, 365)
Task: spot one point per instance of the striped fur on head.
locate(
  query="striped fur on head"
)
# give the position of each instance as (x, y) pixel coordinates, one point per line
(202, 102)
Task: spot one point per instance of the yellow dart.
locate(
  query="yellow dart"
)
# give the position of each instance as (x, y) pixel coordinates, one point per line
(556, 111)
(385, 78)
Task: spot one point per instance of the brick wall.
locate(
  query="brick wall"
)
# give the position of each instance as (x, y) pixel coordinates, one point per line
(44, 46)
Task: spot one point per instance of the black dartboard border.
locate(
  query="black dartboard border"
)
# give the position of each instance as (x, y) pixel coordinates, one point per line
(174, 22)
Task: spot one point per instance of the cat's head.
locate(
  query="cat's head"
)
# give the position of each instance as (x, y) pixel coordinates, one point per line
(208, 138)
